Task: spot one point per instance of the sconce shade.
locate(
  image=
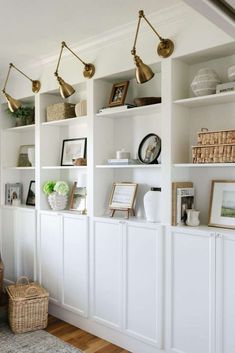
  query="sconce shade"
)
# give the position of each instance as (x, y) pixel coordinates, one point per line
(13, 104)
(66, 90)
(143, 72)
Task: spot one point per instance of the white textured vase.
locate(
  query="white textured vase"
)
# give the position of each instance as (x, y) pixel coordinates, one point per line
(57, 202)
(152, 205)
(204, 83)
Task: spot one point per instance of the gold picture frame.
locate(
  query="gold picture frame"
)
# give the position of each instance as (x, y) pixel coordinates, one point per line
(118, 94)
(222, 204)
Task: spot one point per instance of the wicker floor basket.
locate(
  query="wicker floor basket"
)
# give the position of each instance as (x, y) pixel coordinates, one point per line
(28, 306)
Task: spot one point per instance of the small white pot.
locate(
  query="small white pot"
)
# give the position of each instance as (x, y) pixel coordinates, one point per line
(57, 202)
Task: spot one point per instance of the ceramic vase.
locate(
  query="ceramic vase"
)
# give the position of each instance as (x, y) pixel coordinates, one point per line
(152, 205)
(57, 202)
(204, 83)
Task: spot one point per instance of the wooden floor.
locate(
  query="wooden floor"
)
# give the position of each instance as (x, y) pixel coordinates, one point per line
(81, 339)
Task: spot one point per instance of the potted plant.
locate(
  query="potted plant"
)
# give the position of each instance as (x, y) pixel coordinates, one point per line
(57, 194)
(23, 116)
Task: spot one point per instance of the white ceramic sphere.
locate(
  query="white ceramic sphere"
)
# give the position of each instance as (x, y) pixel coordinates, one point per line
(205, 82)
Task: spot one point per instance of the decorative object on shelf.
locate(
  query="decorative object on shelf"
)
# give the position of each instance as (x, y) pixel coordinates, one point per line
(139, 102)
(149, 149)
(79, 162)
(123, 198)
(78, 199)
(231, 73)
(123, 161)
(57, 194)
(66, 90)
(81, 108)
(1, 275)
(28, 306)
(123, 154)
(73, 149)
(60, 111)
(30, 201)
(214, 147)
(118, 109)
(14, 104)
(192, 218)
(152, 204)
(23, 160)
(222, 204)
(23, 116)
(118, 94)
(225, 87)
(165, 48)
(13, 194)
(174, 208)
(185, 201)
(205, 82)
(31, 156)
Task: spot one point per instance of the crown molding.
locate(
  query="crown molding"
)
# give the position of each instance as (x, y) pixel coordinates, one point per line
(175, 14)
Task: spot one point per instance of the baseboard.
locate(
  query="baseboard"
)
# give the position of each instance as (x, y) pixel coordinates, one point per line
(118, 338)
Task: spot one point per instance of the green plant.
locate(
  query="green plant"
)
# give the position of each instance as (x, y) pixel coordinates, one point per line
(22, 112)
(61, 187)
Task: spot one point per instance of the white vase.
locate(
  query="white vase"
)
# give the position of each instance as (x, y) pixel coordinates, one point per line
(193, 218)
(205, 82)
(31, 156)
(57, 202)
(152, 205)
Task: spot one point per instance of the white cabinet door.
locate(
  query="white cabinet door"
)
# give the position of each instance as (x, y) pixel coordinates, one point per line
(75, 264)
(143, 282)
(25, 230)
(50, 253)
(225, 289)
(106, 272)
(191, 291)
(8, 243)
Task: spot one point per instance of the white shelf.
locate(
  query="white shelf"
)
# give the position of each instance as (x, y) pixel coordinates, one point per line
(221, 98)
(63, 167)
(20, 168)
(65, 122)
(22, 207)
(204, 165)
(24, 128)
(146, 109)
(131, 166)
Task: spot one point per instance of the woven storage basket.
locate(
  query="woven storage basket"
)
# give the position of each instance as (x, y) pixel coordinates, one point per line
(28, 306)
(1, 276)
(214, 154)
(222, 137)
(60, 111)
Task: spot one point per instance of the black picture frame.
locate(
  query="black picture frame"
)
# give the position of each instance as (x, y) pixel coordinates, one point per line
(30, 201)
(65, 162)
(152, 157)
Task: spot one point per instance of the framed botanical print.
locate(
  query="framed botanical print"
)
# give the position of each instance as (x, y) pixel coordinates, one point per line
(222, 204)
(72, 150)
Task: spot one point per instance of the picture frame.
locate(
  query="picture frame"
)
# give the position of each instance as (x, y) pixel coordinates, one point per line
(78, 199)
(13, 194)
(72, 149)
(123, 196)
(26, 156)
(30, 201)
(174, 207)
(118, 94)
(149, 149)
(222, 204)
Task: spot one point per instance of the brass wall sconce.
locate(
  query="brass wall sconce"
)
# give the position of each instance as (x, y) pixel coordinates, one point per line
(66, 90)
(165, 48)
(14, 104)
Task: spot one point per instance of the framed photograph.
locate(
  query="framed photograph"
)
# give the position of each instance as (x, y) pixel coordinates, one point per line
(222, 204)
(31, 194)
(123, 196)
(73, 149)
(118, 94)
(78, 199)
(13, 194)
(149, 149)
(26, 156)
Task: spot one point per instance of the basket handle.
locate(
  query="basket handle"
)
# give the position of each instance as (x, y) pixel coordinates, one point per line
(31, 291)
(22, 278)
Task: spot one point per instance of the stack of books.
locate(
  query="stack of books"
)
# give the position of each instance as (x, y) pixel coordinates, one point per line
(123, 161)
(121, 108)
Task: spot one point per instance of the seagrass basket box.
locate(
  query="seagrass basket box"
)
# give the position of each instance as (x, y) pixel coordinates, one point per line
(28, 306)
